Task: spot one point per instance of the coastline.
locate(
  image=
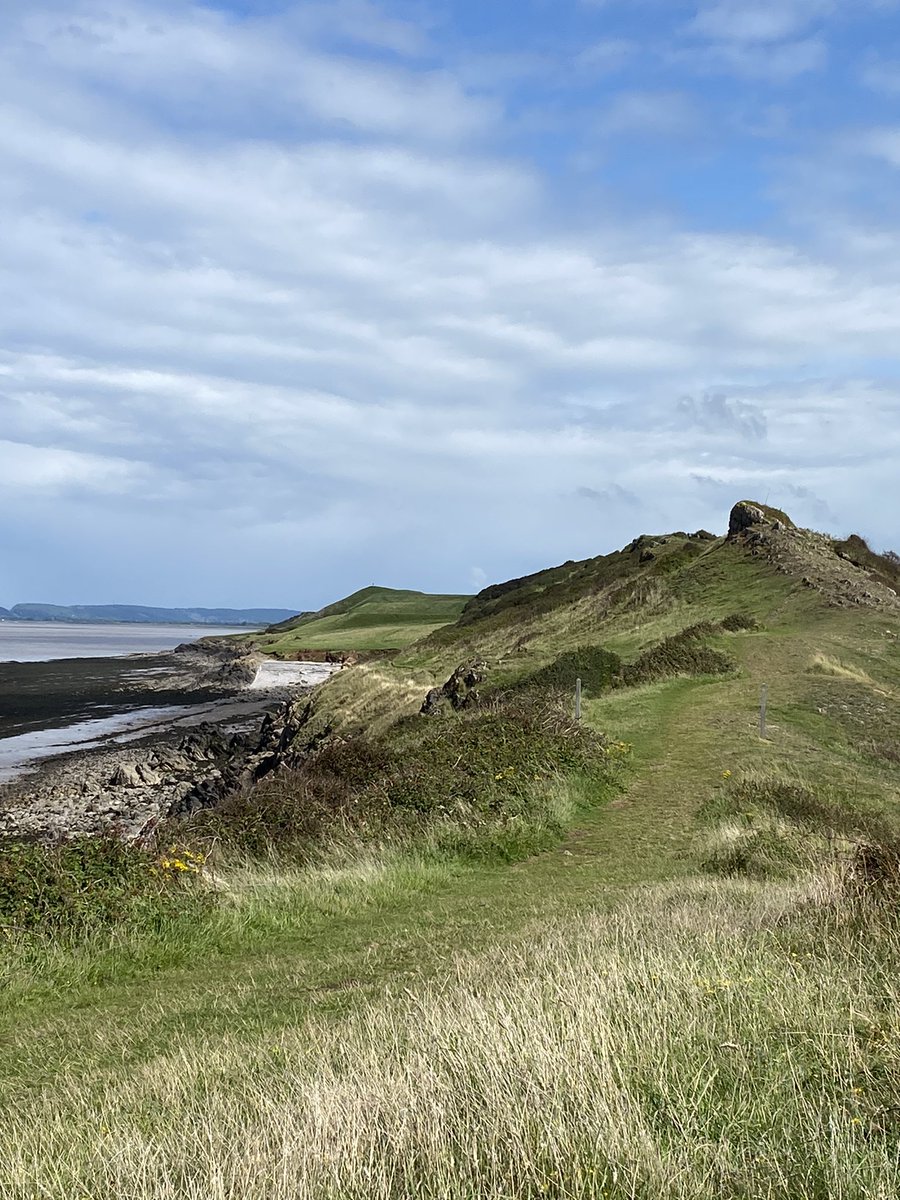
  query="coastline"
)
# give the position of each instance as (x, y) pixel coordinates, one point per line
(157, 734)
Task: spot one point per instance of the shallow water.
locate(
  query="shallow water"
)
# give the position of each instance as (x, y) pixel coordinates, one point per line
(45, 641)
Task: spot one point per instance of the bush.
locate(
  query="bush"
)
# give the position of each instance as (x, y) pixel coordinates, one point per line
(595, 667)
(479, 768)
(291, 810)
(89, 882)
(738, 622)
(682, 654)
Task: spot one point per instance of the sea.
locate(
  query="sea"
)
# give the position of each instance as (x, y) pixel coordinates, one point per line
(46, 641)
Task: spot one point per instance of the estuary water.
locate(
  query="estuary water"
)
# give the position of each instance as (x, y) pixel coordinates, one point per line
(46, 641)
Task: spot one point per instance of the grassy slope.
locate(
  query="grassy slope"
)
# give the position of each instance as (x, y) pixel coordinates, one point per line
(342, 948)
(372, 619)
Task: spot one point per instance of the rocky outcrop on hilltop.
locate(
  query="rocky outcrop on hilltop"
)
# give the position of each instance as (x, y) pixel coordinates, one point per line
(812, 558)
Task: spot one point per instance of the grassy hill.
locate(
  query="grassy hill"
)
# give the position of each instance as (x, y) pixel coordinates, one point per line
(374, 618)
(493, 953)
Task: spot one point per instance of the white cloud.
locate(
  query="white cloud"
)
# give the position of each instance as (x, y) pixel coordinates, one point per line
(778, 64)
(883, 143)
(758, 21)
(195, 56)
(389, 343)
(882, 75)
(606, 55)
(668, 113)
(27, 469)
(771, 40)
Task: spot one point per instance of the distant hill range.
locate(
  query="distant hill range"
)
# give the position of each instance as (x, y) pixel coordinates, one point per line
(138, 614)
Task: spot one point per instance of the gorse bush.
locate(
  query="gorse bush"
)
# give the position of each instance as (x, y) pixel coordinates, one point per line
(599, 669)
(483, 768)
(596, 667)
(739, 622)
(89, 882)
(684, 653)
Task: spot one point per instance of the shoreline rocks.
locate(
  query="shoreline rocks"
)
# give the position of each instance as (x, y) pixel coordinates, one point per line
(128, 789)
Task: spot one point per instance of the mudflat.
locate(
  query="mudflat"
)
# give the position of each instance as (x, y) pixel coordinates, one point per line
(48, 695)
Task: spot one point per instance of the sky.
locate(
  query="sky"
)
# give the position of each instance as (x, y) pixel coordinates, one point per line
(299, 297)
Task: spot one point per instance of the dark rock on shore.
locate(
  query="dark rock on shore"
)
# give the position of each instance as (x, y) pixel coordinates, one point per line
(130, 790)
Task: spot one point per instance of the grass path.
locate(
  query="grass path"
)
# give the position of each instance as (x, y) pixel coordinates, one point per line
(405, 925)
(390, 933)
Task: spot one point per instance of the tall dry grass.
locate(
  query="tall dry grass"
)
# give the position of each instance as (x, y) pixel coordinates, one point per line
(701, 1042)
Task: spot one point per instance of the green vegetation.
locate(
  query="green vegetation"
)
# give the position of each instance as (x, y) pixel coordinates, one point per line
(84, 884)
(372, 619)
(478, 783)
(493, 954)
(885, 568)
(598, 669)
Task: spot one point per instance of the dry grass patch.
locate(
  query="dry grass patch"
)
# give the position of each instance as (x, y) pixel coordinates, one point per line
(824, 664)
(696, 1043)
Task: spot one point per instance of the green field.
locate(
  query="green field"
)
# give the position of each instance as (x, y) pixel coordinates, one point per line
(655, 957)
(372, 619)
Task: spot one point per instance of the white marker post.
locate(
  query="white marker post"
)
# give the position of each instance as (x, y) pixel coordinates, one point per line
(577, 699)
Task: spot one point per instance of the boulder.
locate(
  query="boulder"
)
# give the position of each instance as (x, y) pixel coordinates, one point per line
(459, 691)
(126, 775)
(148, 775)
(743, 517)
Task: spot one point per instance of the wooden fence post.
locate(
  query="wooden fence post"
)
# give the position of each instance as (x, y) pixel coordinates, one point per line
(578, 699)
(763, 706)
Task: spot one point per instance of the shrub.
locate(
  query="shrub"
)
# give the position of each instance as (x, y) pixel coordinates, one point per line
(89, 882)
(684, 653)
(595, 667)
(479, 768)
(291, 810)
(737, 622)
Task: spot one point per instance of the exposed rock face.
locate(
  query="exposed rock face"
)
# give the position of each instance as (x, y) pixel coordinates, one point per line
(460, 690)
(126, 775)
(217, 664)
(811, 558)
(743, 517)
